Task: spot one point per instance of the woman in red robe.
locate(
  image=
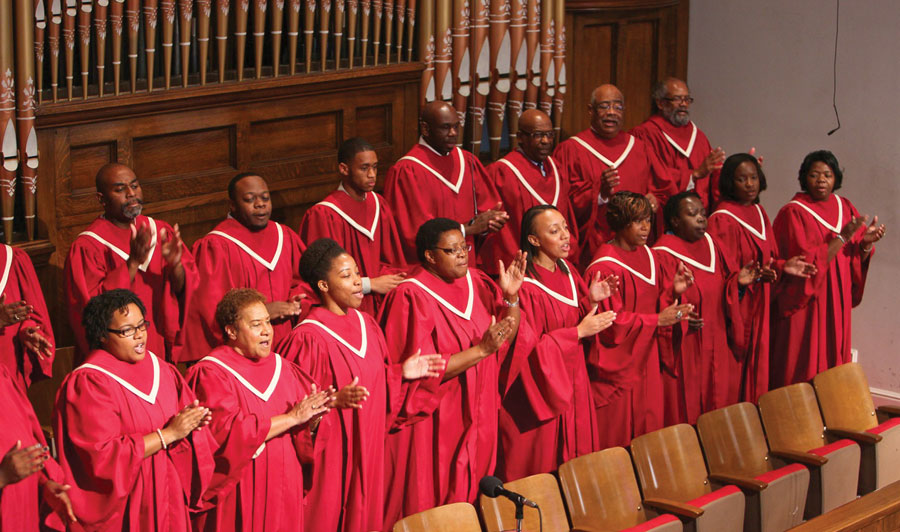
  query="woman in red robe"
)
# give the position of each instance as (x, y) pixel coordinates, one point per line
(27, 472)
(444, 439)
(811, 331)
(127, 427)
(741, 226)
(264, 410)
(626, 377)
(340, 346)
(547, 414)
(707, 373)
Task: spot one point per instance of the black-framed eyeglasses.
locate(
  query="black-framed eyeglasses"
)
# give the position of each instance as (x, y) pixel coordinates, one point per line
(606, 106)
(128, 331)
(539, 135)
(462, 250)
(679, 99)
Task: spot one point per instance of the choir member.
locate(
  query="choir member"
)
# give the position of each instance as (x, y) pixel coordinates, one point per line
(547, 416)
(444, 439)
(689, 161)
(524, 178)
(124, 249)
(624, 365)
(438, 179)
(342, 347)
(741, 226)
(707, 374)
(245, 250)
(812, 316)
(358, 219)
(127, 427)
(263, 411)
(26, 337)
(602, 160)
(27, 472)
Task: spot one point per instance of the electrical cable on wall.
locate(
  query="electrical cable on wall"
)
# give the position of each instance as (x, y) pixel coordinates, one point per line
(837, 20)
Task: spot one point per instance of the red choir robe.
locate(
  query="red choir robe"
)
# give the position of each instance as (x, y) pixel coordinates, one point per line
(680, 150)
(624, 362)
(584, 157)
(424, 184)
(811, 329)
(745, 234)
(517, 181)
(97, 263)
(103, 410)
(347, 490)
(20, 502)
(707, 373)
(444, 439)
(244, 395)
(232, 256)
(18, 282)
(547, 414)
(366, 229)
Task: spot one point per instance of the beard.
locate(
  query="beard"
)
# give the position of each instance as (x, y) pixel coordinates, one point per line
(676, 119)
(132, 211)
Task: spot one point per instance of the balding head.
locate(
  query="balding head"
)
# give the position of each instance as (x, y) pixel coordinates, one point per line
(535, 134)
(119, 192)
(607, 111)
(672, 99)
(439, 126)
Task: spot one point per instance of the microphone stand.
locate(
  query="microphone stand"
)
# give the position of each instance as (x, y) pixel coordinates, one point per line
(520, 513)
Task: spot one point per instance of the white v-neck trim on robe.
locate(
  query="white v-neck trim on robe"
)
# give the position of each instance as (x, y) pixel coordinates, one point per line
(609, 162)
(649, 280)
(269, 264)
(361, 351)
(149, 397)
(760, 234)
(264, 395)
(467, 314)
(690, 147)
(8, 251)
(710, 268)
(370, 233)
(833, 228)
(462, 170)
(571, 301)
(528, 186)
(121, 253)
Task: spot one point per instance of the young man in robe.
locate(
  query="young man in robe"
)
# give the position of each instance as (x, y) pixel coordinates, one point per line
(358, 218)
(527, 177)
(603, 160)
(436, 179)
(124, 249)
(245, 250)
(26, 338)
(689, 160)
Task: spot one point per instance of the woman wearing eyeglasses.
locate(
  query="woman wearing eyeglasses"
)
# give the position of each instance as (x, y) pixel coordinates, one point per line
(445, 435)
(128, 427)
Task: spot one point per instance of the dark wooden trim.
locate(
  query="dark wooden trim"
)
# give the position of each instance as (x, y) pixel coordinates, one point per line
(602, 5)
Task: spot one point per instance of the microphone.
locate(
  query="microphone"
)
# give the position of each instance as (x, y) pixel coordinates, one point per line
(492, 487)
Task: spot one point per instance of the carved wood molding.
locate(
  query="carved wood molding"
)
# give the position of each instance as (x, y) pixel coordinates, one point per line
(606, 5)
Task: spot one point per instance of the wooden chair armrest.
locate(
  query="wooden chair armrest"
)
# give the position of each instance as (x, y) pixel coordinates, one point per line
(583, 529)
(889, 410)
(855, 435)
(745, 483)
(809, 459)
(680, 509)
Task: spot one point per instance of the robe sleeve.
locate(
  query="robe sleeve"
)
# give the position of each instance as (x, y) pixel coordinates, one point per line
(411, 205)
(669, 338)
(795, 238)
(486, 197)
(733, 297)
(582, 190)
(213, 264)
(32, 366)
(192, 456)
(669, 181)
(173, 306)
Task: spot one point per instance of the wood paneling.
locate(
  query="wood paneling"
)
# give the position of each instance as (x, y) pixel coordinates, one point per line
(186, 145)
(629, 44)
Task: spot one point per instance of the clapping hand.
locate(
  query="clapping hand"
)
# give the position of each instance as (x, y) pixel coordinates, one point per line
(601, 289)
(419, 366)
(352, 395)
(797, 266)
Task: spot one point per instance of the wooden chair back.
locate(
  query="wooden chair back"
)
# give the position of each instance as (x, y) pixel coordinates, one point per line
(791, 417)
(844, 396)
(500, 513)
(733, 441)
(456, 517)
(601, 491)
(670, 464)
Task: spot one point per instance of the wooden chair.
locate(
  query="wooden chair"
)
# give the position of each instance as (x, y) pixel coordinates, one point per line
(674, 478)
(602, 494)
(456, 517)
(499, 513)
(795, 432)
(849, 412)
(737, 453)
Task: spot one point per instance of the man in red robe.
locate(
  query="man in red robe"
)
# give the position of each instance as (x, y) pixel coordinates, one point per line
(436, 179)
(26, 339)
(123, 249)
(358, 218)
(689, 160)
(603, 160)
(245, 250)
(527, 177)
